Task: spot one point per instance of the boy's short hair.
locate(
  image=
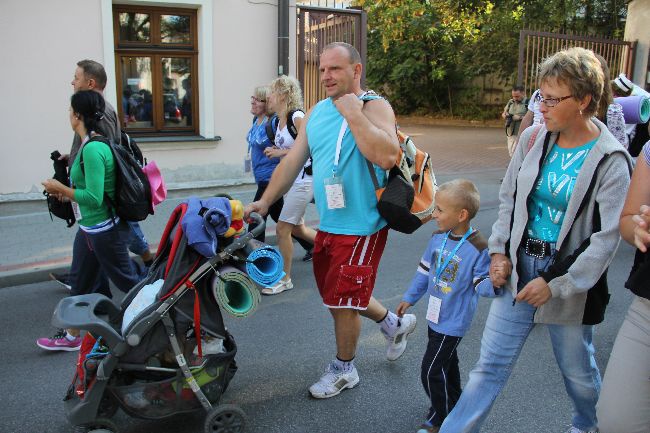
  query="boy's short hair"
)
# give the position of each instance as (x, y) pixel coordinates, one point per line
(464, 193)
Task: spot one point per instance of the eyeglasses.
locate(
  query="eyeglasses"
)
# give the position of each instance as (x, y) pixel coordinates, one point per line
(552, 102)
(254, 99)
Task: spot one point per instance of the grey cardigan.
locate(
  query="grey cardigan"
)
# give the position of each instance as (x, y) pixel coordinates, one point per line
(589, 234)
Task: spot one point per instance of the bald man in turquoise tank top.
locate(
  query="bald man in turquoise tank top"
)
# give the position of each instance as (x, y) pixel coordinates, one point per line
(340, 133)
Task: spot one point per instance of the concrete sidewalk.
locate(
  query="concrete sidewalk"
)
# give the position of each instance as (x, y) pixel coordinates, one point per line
(33, 245)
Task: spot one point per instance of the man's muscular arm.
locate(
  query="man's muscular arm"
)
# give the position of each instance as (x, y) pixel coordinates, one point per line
(373, 126)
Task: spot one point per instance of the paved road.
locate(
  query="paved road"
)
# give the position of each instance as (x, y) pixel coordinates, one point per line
(284, 346)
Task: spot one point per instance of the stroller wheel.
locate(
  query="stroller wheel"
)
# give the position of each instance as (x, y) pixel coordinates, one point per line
(100, 425)
(226, 418)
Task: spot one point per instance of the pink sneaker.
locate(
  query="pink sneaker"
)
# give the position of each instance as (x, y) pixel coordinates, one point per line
(59, 342)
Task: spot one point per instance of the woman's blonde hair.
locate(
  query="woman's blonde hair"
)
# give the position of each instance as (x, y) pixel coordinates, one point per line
(288, 87)
(580, 70)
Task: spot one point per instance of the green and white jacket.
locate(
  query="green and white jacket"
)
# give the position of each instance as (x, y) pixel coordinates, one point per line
(588, 236)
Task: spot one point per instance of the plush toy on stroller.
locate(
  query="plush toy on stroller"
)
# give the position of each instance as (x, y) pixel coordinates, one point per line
(166, 349)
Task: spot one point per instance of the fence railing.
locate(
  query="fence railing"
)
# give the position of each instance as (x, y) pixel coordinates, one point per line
(534, 46)
(325, 3)
(317, 27)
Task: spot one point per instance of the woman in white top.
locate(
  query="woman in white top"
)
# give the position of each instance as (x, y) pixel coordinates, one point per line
(286, 101)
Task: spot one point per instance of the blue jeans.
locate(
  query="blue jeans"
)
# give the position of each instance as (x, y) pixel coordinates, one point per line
(506, 330)
(137, 242)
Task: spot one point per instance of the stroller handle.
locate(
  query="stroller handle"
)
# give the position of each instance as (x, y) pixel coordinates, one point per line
(261, 224)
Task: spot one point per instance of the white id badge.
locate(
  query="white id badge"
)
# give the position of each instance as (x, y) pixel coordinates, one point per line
(247, 165)
(433, 310)
(334, 193)
(75, 210)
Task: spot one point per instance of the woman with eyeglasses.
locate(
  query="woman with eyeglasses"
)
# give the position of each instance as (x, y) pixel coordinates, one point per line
(259, 145)
(258, 142)
(556, 233)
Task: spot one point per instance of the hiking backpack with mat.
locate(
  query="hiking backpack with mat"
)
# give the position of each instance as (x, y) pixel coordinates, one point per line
(58, 208)
(132, 190)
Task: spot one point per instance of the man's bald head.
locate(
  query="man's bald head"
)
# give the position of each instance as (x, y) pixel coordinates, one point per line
(353, 54)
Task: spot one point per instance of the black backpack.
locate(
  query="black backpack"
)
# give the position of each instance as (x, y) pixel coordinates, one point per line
(272, 125)
(132, 189)
(60, 209)
(133, 148)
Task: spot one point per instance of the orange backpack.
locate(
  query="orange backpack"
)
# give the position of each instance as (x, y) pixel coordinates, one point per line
(408, 199)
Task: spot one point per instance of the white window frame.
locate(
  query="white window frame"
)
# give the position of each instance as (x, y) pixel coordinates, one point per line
(206, 67)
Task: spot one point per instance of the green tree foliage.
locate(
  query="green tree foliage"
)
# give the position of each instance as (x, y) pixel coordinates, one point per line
(420, 52)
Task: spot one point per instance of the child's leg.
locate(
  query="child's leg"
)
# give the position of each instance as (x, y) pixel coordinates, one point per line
(453, 378)
(439, 360)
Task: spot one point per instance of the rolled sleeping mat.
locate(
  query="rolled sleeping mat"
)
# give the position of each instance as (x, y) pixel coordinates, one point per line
(264, 263)
(636, 109)
(234, 291)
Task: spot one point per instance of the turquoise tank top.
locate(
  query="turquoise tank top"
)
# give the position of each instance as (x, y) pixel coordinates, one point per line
(360, 215)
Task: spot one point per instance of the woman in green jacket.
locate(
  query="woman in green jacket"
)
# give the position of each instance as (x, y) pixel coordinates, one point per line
(100, 247)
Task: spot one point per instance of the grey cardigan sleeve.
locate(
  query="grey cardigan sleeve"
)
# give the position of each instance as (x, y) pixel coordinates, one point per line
(585, 266)
(501, 228)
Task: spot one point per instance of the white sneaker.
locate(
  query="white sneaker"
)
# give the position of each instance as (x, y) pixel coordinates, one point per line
(577, 430)
(279, 287)
(334, 381)
(397, 343)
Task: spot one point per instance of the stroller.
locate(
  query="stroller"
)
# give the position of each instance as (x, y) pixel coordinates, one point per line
(150, 369)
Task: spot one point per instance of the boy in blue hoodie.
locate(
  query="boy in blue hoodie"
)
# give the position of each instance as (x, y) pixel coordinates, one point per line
(453, 271)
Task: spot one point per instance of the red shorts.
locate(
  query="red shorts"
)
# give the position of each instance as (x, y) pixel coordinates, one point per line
(345, 267)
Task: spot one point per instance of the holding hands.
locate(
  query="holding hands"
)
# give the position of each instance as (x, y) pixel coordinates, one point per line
(536, 292)
(500, 268)
(642, 228)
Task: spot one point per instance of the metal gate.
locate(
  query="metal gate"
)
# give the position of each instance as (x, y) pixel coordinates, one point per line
(535, 46)
(316, 27)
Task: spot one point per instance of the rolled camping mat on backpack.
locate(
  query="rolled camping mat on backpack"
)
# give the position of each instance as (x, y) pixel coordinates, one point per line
(234, 291)
(264, 263)
(636, 109)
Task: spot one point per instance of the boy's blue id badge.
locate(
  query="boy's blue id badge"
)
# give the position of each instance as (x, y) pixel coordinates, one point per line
(248, 166)
(334, 193)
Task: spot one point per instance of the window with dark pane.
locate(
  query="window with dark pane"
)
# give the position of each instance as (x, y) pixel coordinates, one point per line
(156, 53)
(175, 29)
(134, 27)
(137, 95)
(177, 91)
